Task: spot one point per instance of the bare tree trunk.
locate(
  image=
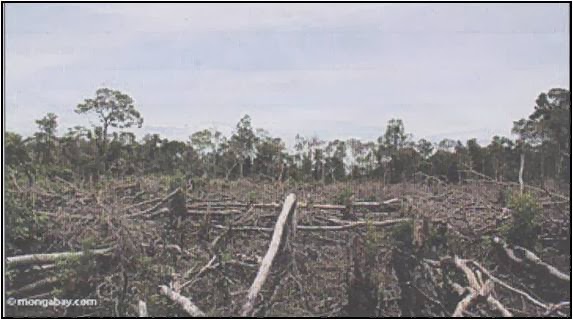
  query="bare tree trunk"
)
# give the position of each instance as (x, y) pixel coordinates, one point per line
(542, 168)
(521, 165)
(281, 228)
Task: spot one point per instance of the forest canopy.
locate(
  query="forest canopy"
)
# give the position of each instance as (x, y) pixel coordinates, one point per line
(109, 148)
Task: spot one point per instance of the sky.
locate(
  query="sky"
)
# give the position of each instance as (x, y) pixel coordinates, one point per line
(333, 70)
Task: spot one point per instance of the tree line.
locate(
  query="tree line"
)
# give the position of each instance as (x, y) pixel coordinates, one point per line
(108, 148)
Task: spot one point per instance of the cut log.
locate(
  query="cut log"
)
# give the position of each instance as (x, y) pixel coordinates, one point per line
(182, 301)
(142, 309)
(40, 284)
(521, 255)
(352, 225)
(342, 227)
(42, 258)
(156, 206)
(280, 231)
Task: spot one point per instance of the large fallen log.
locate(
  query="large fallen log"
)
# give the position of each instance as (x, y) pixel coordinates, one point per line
(342, 227)
(182, 301)
(352, 225)
(228, 205)
(521, 255)
(41, 258)
(281, 228)
(223, 205)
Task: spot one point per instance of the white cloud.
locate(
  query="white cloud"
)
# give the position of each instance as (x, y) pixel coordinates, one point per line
(334, 70)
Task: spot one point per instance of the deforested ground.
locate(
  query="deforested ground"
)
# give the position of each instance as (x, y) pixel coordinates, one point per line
(161, 247)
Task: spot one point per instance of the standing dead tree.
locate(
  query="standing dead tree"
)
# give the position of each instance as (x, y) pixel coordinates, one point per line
(284, 225)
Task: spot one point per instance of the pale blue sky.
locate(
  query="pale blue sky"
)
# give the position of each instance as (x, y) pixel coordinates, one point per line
(334, 70)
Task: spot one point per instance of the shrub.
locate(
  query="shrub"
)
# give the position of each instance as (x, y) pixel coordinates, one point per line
(524, 228)
(26, 228)
(344, 196)
(402, 235)
(372, 239)
(252, 196)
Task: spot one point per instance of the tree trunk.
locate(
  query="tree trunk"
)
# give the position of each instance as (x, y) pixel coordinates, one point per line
(285, 222)
(521, 165)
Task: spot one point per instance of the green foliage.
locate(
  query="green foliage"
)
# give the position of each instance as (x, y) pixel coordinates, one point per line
(177, 206)
(437, 238)
(344, 197)
(371, 198)
(503, 197)
(226, 256)
(113, 108)
(252, 196)
(75, 273)
(401, 234)
(92, 153)
(177, 181)
(372, 239)
(25, 228)
(524, 227)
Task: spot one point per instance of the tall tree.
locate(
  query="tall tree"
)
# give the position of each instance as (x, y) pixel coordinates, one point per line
(243, 142)
(425, 148)
(114, 109)
(395, 136)
(46, 138)
(552, 123)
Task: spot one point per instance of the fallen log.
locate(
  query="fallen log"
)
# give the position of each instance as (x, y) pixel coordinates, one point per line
(218, 213)
(307, 228)
(222, 205)
(477, 288)
(281, 228)
(40, 284)
(471, 298)
(156, 206)
(353, 225)
(521, 255)
(505, 285)
(142, 309)
(42, 258)
(182, 301)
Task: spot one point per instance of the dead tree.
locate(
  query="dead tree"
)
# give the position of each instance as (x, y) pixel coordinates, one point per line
(278, 243)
